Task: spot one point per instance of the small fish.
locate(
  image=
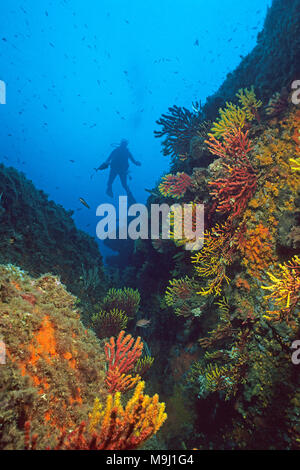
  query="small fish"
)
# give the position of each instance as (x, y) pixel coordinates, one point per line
(143, 323)
(84, 202)
(152, 192)
(72, 161)
(196, 43)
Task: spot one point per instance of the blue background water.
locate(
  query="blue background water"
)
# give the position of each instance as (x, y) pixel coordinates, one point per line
(81, 75)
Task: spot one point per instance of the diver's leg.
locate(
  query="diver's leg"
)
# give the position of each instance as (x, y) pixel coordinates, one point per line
(123, 179)
(112, 176)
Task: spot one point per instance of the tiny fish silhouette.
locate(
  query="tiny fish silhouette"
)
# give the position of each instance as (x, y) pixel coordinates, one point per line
(84, 202)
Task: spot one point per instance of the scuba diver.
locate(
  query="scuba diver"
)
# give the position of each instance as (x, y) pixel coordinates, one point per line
(118, 162)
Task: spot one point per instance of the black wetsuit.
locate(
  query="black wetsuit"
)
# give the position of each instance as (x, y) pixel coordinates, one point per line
(118, 161)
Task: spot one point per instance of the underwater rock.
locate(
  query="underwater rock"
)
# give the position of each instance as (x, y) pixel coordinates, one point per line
(53, 367)
(273, 63)
(40, 236)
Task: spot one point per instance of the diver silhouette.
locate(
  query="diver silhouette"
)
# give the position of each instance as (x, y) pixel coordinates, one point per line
(118, 161)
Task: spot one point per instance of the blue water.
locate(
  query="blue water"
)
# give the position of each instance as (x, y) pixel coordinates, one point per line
(81, 75)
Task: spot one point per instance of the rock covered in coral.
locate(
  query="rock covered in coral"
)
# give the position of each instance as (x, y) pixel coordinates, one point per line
(272, 64)
(53, 368)
(41, 236)
(242, 297)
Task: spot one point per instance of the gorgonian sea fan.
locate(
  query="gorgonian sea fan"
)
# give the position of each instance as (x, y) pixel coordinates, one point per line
(233, 192)
(175, 186)
(179, 126)
(234, 146)
(122, 355)
(126, 299)
(107, 324)
(111, 426)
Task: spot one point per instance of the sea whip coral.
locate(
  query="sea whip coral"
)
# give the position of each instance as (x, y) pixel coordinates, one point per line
(175, 185)
(112, 427)
(231, 118)
(122, 356)
(257, 248)
(285, 289)
(227, 140)
(250, 104)
(277, 103)
(126, 299)
(233, 192)
(234, 146)
(179, 289)
(106, 324)
(215, 256)
(179, 127)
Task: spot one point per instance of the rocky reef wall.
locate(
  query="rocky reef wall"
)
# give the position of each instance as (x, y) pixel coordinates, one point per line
(274, 62)
(40, 236)
(52, 368)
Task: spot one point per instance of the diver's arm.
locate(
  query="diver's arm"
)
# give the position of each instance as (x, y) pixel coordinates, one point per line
(133, 160)
(109, 158)
(104, 165)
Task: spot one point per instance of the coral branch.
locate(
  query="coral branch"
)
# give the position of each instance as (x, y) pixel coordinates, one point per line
(179, 127)
(250, 104)
(215, 256)
(106, 324)
(235, 144)
(126, 299)
(122, 357)
(234, 191)
(231, 118)
(175, 185)
(113, 427)
(285, 289)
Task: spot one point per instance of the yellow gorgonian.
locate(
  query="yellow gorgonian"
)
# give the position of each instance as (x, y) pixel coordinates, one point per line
(285, 287)
(213, 259)
(250, 104)
(137, 421)
(179, 289)
(183, 220)
(231, 118)
(295, 163)
(218, 378)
